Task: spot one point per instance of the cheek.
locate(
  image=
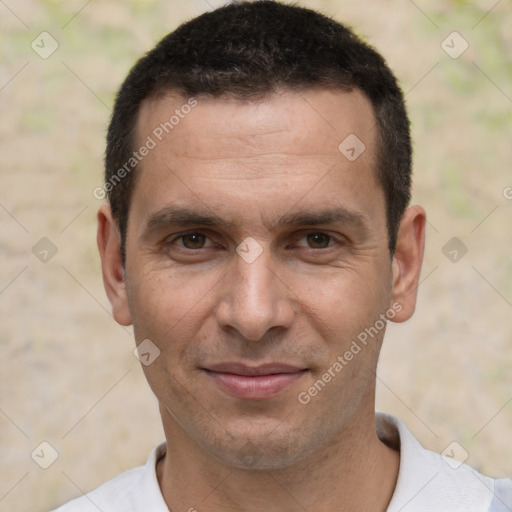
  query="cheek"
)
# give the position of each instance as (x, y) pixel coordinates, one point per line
(169, 304)
(344, 304)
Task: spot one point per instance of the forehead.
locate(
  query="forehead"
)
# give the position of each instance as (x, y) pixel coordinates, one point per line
(224, 153)
(319, 119)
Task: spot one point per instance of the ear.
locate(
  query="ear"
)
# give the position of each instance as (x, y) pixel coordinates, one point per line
(109, 246)
(407, 260)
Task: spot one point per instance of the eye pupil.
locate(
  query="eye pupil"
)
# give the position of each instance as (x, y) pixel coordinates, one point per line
(193, 240)
(317, 240)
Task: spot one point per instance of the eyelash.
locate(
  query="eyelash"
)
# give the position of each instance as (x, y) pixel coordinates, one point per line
(332, 240)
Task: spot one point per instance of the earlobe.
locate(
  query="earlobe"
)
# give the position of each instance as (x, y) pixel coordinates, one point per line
(407, 260)
(109, 246)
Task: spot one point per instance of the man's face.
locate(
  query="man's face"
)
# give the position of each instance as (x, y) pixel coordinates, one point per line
(255, 247)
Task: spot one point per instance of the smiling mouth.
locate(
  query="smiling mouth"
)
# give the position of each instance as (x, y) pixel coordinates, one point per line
(256, 383)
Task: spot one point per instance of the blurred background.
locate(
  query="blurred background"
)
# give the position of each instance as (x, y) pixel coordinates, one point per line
(68, 374)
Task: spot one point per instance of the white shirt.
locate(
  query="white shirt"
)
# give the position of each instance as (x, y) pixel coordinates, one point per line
(427, 482)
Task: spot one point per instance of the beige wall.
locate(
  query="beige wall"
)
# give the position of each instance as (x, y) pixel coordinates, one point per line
(68, 375)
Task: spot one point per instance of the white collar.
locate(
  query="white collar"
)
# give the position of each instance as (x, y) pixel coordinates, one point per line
(426, 481)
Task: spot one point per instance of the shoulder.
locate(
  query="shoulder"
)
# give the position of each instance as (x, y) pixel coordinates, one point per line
(429, 481)
(502, 501)
(131, 491)
(109, 497)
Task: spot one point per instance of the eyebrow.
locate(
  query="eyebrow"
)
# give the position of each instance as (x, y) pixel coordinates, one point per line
(179, 216)
(183, 216)
(337, 215)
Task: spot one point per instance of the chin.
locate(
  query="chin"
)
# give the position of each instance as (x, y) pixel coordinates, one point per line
(265, 449)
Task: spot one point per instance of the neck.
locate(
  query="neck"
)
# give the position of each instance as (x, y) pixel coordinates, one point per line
(352, 471)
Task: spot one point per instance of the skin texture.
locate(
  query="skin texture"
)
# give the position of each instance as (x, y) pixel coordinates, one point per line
(302, 301)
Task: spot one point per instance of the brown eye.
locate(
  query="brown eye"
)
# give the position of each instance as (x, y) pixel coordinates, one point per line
(193, 240)
(318, 240)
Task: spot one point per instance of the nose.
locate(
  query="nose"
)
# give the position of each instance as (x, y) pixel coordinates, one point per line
(255, 299)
